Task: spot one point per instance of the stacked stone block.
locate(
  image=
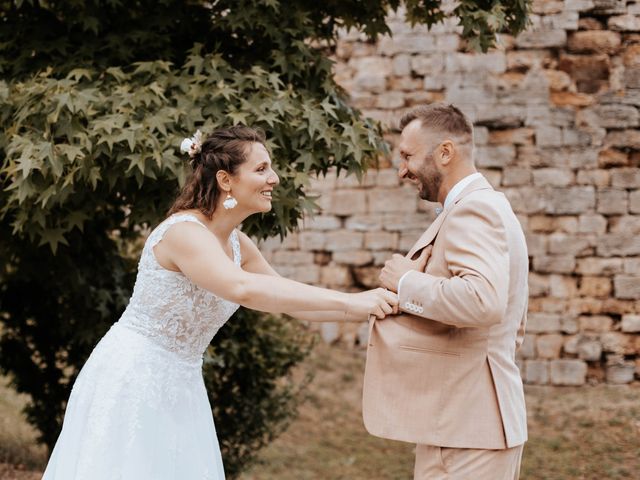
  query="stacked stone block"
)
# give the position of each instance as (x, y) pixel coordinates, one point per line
(557, 126)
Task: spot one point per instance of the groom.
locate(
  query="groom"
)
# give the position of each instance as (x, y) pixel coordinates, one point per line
(442, 374)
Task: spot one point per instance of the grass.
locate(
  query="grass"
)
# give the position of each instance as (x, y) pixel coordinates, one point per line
(588, 433)
(20, 455)
(328, 440)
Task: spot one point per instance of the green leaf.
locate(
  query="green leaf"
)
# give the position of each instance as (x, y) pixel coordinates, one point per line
(238, 117)
(94, 177)
(70, 151)
(78, 74)
(117, 73)
(76, 219)
(53, 237)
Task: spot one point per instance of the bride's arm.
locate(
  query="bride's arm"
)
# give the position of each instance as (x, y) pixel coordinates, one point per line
(254, 261)
(198, 254)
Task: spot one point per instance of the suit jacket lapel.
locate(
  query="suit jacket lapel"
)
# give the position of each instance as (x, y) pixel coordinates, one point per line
(428, 236)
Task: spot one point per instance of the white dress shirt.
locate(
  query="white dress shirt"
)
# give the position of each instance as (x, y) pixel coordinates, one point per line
(459, 187)
(451, 196)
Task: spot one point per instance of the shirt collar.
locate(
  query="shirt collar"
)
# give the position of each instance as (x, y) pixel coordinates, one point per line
(459, 187)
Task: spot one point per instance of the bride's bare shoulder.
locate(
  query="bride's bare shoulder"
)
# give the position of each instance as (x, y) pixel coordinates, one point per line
(189, 235)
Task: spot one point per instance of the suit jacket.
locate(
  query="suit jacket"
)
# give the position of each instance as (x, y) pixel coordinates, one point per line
(443, 372)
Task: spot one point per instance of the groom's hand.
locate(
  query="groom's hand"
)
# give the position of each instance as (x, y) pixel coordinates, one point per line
(398, 265)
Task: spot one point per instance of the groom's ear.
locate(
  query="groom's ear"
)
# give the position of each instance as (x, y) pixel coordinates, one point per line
(446, 152)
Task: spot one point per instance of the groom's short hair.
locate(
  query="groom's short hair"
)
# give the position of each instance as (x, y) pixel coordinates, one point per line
(441, 117)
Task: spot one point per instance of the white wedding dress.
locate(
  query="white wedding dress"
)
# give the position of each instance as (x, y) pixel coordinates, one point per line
(139, 409)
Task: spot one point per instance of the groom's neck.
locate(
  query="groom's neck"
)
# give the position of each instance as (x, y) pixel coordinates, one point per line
(453, 176)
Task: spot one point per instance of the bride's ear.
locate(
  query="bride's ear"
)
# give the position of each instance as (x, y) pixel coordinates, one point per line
(224, 181)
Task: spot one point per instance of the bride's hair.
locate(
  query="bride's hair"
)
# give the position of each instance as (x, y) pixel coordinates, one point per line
(225, 149)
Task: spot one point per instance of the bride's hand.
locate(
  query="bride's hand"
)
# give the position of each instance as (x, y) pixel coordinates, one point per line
(378, 302)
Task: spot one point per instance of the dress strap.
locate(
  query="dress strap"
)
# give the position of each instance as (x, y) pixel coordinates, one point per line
(160, 230)
(235, 246)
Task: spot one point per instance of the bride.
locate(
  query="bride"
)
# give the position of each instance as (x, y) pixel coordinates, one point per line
(138, 409)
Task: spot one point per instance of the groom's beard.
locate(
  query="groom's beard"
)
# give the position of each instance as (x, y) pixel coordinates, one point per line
(430, 182)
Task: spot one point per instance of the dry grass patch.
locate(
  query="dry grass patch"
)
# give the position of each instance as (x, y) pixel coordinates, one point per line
(589, 433)
(328, 440)
(20, 453)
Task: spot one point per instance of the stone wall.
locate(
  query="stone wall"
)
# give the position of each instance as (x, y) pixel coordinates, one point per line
(556, 112)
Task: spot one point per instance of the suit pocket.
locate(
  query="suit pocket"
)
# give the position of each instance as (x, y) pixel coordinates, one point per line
(433, 351)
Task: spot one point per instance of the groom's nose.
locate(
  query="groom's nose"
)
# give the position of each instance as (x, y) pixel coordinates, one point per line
(402, 169)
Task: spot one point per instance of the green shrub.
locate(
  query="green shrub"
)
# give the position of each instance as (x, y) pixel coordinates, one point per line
(250, 382)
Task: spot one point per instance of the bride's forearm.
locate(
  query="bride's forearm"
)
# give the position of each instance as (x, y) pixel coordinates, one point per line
(326, 316)
(280, 295)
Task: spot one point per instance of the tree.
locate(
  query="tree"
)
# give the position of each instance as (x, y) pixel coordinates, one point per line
(95, 97)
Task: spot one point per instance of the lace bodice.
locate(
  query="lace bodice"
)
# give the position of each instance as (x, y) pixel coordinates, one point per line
(168, 308)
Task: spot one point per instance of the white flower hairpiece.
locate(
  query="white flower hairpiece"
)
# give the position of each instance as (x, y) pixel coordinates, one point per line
(192, 145)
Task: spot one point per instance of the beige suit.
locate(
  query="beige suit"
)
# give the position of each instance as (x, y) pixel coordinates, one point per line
(443, 372)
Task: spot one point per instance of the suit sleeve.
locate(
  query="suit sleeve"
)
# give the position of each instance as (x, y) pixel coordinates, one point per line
(475, 250)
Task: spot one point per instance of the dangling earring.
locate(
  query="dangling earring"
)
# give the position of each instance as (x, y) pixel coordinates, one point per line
(229, 202)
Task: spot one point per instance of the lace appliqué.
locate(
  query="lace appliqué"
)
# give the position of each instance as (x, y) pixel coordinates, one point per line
(170, 309)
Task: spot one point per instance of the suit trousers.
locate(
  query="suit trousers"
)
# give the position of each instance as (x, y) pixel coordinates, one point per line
(441, 463)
